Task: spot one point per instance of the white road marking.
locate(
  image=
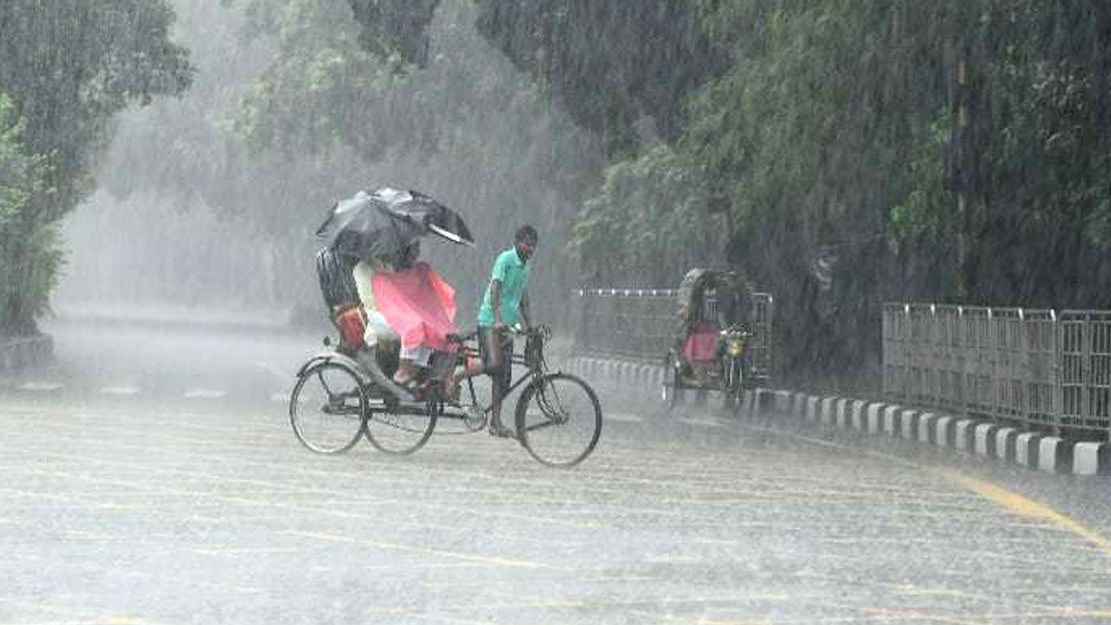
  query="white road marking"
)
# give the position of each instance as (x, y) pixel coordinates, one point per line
(277, 371)
(708, 423)
(202, 393)
(621, 416)
(119, 390)
(40, 387)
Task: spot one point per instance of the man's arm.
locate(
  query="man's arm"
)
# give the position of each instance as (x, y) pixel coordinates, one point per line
(525, 310)
(495, 302)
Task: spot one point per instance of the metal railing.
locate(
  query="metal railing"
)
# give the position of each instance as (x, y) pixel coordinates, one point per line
(1046, 369)
(642, 324)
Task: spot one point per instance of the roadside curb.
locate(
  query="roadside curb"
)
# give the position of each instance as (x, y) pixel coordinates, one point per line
(1033, 450)
(25, 351)
(643, 375)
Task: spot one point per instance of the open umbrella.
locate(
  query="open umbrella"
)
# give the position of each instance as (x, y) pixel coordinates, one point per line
(383, 223)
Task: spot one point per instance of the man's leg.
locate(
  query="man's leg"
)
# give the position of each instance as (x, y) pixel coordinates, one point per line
(406, 371)
(412, 361)
(473, 367)
(502, 379)
(497, 395)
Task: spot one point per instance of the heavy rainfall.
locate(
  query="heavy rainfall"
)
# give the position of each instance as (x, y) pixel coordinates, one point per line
(798, 311)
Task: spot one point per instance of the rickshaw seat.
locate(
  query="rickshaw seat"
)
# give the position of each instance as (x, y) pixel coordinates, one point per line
(702, 343)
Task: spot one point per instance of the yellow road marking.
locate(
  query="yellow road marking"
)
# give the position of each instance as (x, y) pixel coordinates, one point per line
(1028, 508)
(243, 501)
(1073, 612)
(423, 550)
(1008, 500)
(78, 615)
(235, 551)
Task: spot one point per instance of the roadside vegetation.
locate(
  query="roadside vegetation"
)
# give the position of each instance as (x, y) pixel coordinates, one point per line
(841, 154)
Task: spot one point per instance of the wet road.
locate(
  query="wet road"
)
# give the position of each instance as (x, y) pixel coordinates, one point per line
(130, 496)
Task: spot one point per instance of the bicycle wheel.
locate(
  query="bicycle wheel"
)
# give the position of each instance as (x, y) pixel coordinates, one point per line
(401, 429)
(559, 420)
(670, 392)
(328, 408)
(732, 391)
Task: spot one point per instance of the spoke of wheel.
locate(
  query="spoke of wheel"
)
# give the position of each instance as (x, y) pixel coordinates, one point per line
(321, 411)
(398, 431)
(539, 426)
(559, 420)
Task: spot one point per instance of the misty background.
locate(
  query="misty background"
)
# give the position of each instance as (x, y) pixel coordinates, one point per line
(841, 155)
(210, 201)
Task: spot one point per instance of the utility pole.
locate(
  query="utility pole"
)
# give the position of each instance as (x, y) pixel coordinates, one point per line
(963, 174)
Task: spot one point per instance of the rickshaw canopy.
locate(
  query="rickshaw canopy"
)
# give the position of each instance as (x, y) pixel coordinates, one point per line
(725, 285)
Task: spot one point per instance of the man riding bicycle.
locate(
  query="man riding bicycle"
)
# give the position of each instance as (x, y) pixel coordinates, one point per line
(505, 304)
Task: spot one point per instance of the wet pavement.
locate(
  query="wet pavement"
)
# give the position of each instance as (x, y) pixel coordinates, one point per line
(153, 507)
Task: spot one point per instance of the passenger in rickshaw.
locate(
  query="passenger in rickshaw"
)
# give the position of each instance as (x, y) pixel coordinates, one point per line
(400, 322)
(418, 304)
(709, 302)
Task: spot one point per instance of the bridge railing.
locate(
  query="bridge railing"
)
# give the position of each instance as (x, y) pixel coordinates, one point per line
(1049, 370)
(641, 324)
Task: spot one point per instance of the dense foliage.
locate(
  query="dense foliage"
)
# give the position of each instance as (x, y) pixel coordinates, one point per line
(22, 177)
(615, 66)
(68, 67)
(840, 153)
(952, 150)
(948, 150)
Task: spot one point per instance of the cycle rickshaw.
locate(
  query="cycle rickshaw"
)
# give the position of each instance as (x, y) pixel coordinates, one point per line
(721, 338)
(334, 404)
(338, 400)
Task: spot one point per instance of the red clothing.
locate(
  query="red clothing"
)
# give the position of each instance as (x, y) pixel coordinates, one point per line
(702, 344)
(419, 305)
(351, 327)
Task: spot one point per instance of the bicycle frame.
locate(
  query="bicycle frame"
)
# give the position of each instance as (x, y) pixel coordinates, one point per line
(518, 359)
(465, 353)
(539, 406)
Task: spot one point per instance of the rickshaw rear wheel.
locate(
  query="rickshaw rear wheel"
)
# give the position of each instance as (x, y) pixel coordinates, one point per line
(670, 391)
(401, 429)
(328, 408)
(734, 392)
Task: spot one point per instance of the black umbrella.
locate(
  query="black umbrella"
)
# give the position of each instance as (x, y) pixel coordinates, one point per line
(382, 224)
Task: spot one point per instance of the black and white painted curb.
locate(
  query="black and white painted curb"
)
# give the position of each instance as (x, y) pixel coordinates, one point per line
(985, 438)
(641, 375)
(623, 371)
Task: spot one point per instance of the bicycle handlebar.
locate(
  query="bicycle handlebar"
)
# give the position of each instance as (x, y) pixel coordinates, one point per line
(542, 331)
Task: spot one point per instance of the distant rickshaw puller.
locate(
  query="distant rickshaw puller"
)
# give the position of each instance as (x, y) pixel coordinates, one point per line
(504, 304)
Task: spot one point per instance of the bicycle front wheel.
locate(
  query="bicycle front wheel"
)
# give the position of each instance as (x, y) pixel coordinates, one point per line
(328, 408)
(559, 420)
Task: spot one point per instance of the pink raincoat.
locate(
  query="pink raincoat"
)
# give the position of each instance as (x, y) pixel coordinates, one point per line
(701, 345)
(419, 305)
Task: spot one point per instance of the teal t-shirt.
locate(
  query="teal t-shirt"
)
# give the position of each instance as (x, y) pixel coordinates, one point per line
(513, 275)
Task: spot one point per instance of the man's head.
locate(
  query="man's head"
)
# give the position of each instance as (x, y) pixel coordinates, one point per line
(526, 241)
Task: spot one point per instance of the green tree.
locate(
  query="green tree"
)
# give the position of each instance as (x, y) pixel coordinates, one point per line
(659, 212)
(69, 66)
(468, 128)
(21, 178)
